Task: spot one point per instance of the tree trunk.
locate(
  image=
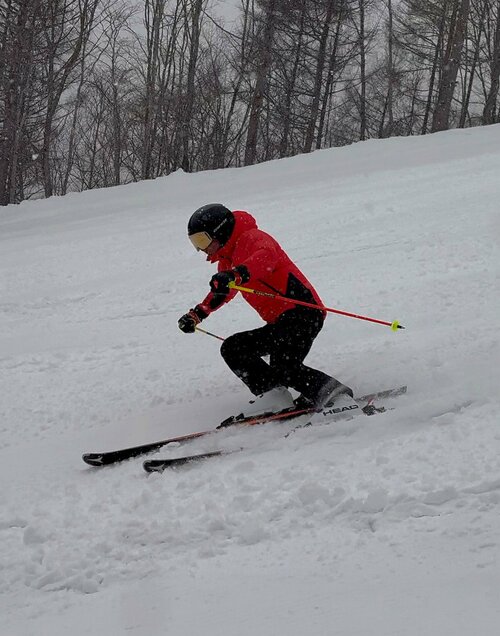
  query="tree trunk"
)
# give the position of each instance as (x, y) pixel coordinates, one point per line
(189, 100)
(263, 66)
(435, 65)
(153, 20)
(318, 79)
(388, 131)
(327, 94)
(475, 60)
(451, 64)
(491, 99)
(16, 75)
(362, 52)
(290, 92)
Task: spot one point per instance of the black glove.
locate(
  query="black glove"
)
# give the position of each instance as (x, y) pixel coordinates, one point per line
(219, 283)
(188, 322)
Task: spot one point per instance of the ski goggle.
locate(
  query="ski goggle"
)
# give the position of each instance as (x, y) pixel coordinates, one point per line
(200, 240)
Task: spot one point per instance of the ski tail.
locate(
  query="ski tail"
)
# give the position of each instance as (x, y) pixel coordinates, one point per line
(383, 395)
(159, 465)
(112, 457)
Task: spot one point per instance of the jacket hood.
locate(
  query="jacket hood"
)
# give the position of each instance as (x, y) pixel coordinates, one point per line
(243, 222)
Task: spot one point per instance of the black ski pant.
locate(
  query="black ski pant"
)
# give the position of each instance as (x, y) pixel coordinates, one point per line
(287, 342)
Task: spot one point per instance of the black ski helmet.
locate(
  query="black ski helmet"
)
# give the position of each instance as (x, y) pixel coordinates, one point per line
(214, 219)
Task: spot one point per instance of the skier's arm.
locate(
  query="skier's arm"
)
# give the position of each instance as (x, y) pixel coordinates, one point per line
(219, 295)
(255, 258)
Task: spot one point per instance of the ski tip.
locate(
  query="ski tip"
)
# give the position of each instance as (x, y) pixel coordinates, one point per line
(93, 459)
(152, 468)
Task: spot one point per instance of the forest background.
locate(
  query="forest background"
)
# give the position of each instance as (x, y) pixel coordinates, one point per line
(98, 93)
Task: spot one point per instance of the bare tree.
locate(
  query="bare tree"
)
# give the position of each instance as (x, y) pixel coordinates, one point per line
(362, 70)
(329, 15)
(451, 64)
(341, 55)
(193, 27)
(67, 25)
(20, 35)
(154, 14)
(435, 61)
(387, 129)
(471, 56)
(290, 74)
(489, 110)
(268, 18)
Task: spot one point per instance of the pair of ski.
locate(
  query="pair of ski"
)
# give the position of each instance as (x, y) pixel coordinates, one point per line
(339, 410)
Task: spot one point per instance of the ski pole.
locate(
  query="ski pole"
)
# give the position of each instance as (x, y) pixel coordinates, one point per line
(393, 325)
(208, 333)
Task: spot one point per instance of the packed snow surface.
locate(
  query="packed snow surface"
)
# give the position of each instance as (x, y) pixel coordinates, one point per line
(377, 526)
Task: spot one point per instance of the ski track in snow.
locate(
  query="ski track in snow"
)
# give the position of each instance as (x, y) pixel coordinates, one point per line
(91, 359)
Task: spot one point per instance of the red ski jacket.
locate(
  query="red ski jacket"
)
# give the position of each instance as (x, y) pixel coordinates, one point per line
(269, 267)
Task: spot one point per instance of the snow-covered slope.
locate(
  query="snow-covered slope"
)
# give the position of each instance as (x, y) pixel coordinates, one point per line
(387, 525)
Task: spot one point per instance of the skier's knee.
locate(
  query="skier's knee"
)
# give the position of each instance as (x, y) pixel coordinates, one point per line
(229, 347)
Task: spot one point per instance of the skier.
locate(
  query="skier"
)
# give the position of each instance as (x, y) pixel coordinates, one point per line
(247, 255)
